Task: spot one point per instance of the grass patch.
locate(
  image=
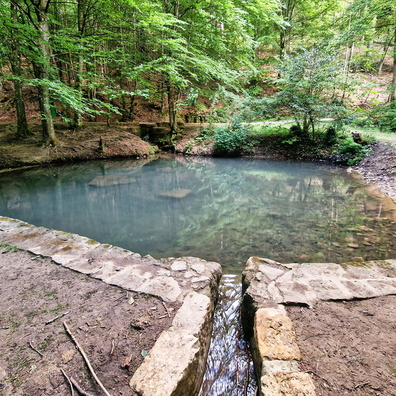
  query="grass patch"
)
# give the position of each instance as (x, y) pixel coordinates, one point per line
(8, 248)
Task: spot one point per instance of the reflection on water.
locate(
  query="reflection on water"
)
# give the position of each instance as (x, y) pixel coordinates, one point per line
(219, 209)
(229, 369)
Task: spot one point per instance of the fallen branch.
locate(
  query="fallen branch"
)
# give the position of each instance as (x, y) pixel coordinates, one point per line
(166, 309)
(69, 381)
(57, 317)
(34, 349)
(313, 372)
(361, 385)
(86, 360)
(78, 387)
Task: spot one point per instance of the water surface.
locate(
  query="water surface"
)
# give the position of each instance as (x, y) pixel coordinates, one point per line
(224, 210)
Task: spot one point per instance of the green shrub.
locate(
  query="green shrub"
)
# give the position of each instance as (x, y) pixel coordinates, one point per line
(352, 152)
(330, 136)
(385, 116)
(231, 139)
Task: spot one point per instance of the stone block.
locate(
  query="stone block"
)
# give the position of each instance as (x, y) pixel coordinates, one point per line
(287, 384)
(274, 336)
(273, 366)
(176, 364)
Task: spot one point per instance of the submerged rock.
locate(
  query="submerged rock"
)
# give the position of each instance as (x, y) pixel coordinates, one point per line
(176, 193)
(111, 180)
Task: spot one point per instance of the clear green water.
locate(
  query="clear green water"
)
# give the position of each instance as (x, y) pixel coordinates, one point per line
(233, 209)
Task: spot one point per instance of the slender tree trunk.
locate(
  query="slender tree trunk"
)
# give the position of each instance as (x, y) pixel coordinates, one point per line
(15, 60)
(347, 63)
(45, 107)
(77, 119)
(386, 48)
(172, 111)
(392, 96)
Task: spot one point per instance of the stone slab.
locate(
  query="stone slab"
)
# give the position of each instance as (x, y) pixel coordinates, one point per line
(274, 335)
(177, 193)
(111, 180)
(287, 384)
(308, 283)
(163, 371)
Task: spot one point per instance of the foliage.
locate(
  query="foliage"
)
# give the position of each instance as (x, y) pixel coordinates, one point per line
(385, 116)
(308, 83)
(352, 152)
(230, 139)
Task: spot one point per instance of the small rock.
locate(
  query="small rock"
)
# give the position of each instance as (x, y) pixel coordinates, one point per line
(68, 356)
(179, 265)
(177, 193)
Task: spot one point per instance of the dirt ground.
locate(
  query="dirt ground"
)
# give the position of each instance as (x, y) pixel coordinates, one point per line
(118, 141)
(349, 347)
(115, 328)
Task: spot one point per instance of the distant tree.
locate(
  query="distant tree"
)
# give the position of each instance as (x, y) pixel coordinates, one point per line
(308, 83)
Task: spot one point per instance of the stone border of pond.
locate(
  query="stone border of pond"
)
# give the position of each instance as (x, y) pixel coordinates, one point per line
(269, 286)
(176, 363)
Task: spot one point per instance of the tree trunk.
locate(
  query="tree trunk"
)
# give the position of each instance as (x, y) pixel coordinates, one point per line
(392, 96)
(43, 69)
(172, 111)
(77, 119)
(347, 63)
(15, 60)
(386, 48)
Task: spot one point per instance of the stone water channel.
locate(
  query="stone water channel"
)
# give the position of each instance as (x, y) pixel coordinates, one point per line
(223, 210)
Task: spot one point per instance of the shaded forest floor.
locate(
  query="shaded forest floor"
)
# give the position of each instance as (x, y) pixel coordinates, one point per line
(118, 141)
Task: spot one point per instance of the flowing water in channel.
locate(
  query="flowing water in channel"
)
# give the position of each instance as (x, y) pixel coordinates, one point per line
(229, 369)
(223, 210)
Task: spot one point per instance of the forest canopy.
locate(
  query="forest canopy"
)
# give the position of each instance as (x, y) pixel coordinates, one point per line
(86, 58)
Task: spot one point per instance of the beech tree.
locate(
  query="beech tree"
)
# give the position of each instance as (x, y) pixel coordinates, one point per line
(308, 83)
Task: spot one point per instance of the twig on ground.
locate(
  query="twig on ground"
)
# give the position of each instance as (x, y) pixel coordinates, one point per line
(34, 349)
(112, 346)
(86, 360)
(78, 387)
(69, 381)
(57, 317)
(323, 379)
(361, 385)
(316, 335)
(166, 309)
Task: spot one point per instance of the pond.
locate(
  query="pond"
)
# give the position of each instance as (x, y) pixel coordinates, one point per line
(221, 209)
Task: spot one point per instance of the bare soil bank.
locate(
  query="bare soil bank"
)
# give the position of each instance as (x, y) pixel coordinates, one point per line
(95, 141)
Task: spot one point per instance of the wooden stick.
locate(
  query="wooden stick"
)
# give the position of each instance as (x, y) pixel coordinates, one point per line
(166, 309)
(112, 346)
(86, 360)
(79, 388)
(34, 349)
(70, 383)
(57, 317)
